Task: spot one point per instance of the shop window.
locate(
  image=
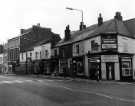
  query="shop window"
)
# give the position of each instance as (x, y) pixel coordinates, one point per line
(55, 52)
(22, 56)
(40, 54)
(94, 45)
(36, 55)
(80, 67)
(126, 68)
(46, 53)
(30, 54)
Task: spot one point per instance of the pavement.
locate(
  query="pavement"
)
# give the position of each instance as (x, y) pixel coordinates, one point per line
(56, 91)
(69, 78)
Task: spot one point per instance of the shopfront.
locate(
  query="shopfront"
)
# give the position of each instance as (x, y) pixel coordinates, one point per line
(126, 70)
(63, 65)
(110, 67)
(94, 65)
(109, 57)
(78, 66)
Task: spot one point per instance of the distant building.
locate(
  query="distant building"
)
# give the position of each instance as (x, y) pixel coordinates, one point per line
(2, 65)
(7, 68)
(34, 43)
(13, 51)
(1, 62)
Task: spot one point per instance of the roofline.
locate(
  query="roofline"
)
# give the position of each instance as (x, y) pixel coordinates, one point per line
(84, 39)
(96, 36)
(129, 19)
(127, 36)
(14, 38)
(25, 33)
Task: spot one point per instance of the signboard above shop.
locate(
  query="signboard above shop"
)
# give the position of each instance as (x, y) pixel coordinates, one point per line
(94, 59)
(109, 46)
(109, 42)
(109, 39)
(109, 58)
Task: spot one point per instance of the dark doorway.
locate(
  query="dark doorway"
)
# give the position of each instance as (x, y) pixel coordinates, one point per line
(93, 67)
(110, 71)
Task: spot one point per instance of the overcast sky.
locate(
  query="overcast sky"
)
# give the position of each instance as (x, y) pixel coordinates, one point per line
(17, 14)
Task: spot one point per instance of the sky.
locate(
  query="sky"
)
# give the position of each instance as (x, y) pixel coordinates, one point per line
(22, 14)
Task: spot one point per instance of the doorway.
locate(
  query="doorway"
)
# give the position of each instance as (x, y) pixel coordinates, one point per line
(93, 67)
(110, 71)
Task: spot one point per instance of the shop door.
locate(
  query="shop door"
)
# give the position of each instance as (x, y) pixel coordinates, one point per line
(110, 71)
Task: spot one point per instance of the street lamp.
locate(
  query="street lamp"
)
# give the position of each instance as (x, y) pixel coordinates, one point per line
(76, 10)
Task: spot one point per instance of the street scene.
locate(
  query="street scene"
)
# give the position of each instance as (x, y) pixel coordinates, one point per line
(36, 91)
(67, 53)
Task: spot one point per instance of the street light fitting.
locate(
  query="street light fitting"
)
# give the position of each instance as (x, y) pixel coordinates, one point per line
(69, 8)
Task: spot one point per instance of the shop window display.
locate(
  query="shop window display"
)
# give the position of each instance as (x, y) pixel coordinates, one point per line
(126, 68)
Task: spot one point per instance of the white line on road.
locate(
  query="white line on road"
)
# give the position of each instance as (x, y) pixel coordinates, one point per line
(18, 81)
(100, 94)
(15, 81)
(71, 89)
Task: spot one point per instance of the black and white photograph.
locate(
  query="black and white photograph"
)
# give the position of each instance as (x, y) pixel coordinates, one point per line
(67, 53)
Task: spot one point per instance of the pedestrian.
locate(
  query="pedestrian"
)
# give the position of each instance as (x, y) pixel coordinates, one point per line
(97, 75)
(64, 72)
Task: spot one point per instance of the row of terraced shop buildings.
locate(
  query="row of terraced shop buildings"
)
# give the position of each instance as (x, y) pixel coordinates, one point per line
(108, 46)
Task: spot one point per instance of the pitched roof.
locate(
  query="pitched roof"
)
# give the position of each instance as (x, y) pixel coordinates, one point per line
(130, 24)
(38, 34)
(77, 35)
(111, 26)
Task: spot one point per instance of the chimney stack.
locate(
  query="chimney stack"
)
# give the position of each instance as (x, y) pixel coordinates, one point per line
(21, 31)
(38, 24)
(67, 33)
(100, 20)
(118, 16)
(82, 26)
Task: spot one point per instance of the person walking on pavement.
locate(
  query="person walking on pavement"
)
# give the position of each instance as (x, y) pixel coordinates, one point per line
(97, 75)
(64, 72)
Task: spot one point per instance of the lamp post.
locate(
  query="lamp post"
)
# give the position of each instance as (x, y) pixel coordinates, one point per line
(76, 10)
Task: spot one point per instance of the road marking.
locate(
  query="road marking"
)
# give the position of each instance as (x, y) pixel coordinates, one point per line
(18, 81)
(15, 81)
(107, 96)
(100, 94)
(6, 82)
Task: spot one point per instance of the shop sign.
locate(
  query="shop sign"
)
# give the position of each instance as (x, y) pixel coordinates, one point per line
(96, 59)
(126, 59)
(109, 58)
(109, 46)
(109, 40)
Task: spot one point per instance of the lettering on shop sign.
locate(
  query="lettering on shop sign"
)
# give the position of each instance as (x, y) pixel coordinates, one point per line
(109, 46)
(109, 42)
(109, 58)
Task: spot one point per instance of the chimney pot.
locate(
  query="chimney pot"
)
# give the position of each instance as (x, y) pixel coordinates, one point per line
(82, 26)
(21, 31)
(100, 20)
(38, 24)
(67, 33)
(118, 16)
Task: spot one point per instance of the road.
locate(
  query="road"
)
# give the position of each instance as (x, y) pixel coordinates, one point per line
(29, 91)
